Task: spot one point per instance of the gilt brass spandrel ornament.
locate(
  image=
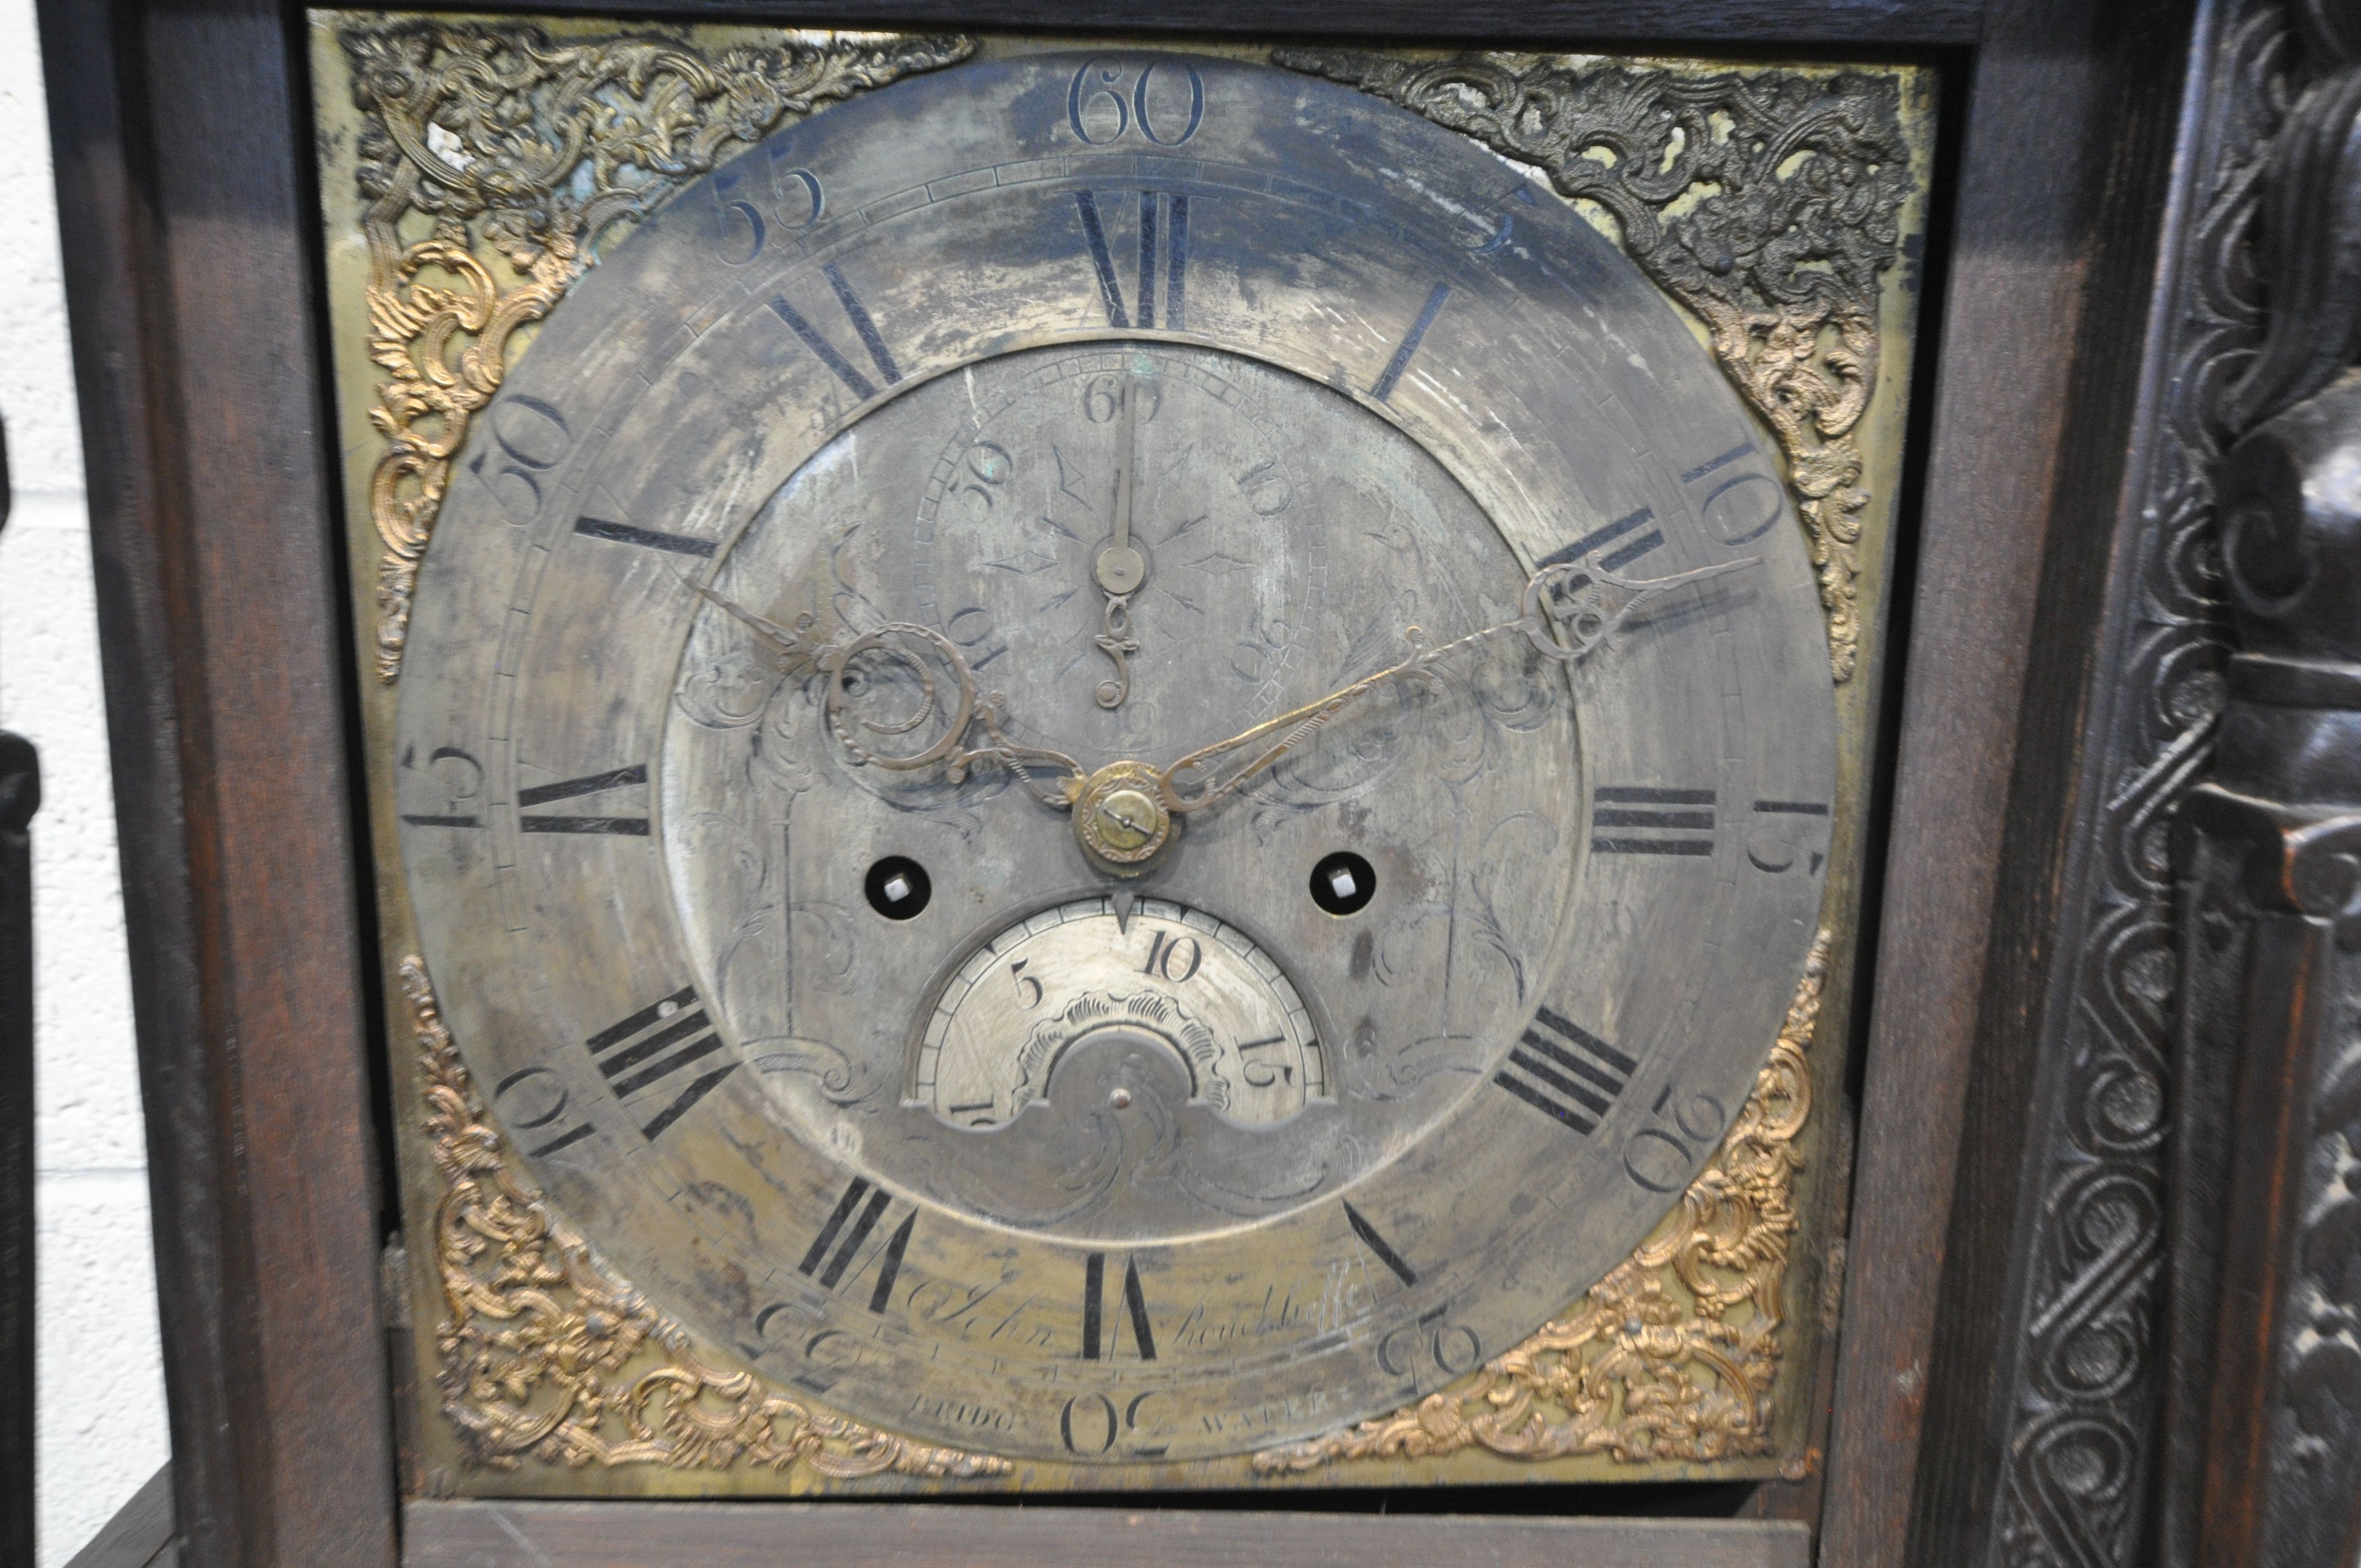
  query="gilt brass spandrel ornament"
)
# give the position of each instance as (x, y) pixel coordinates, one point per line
(1767, 202)
(547, 1355)
(1673, 1356)
(517, 150)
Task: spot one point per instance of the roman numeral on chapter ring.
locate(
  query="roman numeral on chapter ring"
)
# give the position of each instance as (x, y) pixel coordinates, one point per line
(1163, 223)
(1632, 535)
(1565, 1072)
(1649, 819)
(1135, 1306)
(659, 1044)
(1382, 388)
(864, 328)
(839, 1240)
(1379, 1245)
(646, 538)
(572, 789)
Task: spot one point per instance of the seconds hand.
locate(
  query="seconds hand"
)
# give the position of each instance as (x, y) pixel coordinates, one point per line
(1120, 569)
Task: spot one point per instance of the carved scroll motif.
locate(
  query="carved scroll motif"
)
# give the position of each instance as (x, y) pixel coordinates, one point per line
(2088, 1366)
(1672, 1355)
(2262, 1364)
(522, 151)
(548, 1354)
(1766, 201)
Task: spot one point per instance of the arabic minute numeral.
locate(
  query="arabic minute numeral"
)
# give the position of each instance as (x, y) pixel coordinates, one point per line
(741, 226)
(1263, 1074)
(985, 467)
(1738, 502)
(1266, 487)
(1099, 110)
(534, 1101)
(1103, 396)
(1660, 1156)
(529, 437)
(1090, 1423)
(1453, 1349)
(1029, 989)
(972, 629)
(456, 776)
(1775, 847)
(1165, 951)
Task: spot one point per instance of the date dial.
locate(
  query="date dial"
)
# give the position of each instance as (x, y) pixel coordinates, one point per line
(1167, 978)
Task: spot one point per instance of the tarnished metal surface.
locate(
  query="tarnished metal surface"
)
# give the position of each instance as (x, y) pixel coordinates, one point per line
(638, 852)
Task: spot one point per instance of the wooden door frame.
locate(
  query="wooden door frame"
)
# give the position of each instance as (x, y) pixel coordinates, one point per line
(184, 174)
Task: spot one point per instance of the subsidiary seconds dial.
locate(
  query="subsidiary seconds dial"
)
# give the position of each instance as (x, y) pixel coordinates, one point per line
(1156, 977)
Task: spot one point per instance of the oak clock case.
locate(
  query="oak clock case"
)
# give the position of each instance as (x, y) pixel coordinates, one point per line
(1109, 761)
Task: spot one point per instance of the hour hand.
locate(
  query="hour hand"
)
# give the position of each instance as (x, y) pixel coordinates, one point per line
(945, 698)
(793, 647)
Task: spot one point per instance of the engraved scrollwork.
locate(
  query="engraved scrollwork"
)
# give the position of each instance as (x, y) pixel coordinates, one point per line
(547, 1354)
(520, 152)
(1672, 1355)
(1766, 201)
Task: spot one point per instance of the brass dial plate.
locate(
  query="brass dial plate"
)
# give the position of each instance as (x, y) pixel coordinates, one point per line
(1597, 884)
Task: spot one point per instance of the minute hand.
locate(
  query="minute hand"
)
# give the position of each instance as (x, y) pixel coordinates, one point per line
(1594, 610)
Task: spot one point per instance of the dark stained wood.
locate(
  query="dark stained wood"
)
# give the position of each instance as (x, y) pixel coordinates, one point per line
(140, 1533)
(842, 1535)
(1849, 24)
(2262, 1419)
(2049, 1355)
(2041, 349)
(179, 167)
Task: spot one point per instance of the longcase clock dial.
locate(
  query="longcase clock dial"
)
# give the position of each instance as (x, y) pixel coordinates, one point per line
(1111, 760)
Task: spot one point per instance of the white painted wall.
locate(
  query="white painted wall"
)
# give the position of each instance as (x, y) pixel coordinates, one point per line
(100, 1391)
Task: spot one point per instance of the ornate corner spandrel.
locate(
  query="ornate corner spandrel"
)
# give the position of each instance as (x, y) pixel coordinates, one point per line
(1673, 1355)
(1767, 202)
(548, 1354)
(515, 152)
